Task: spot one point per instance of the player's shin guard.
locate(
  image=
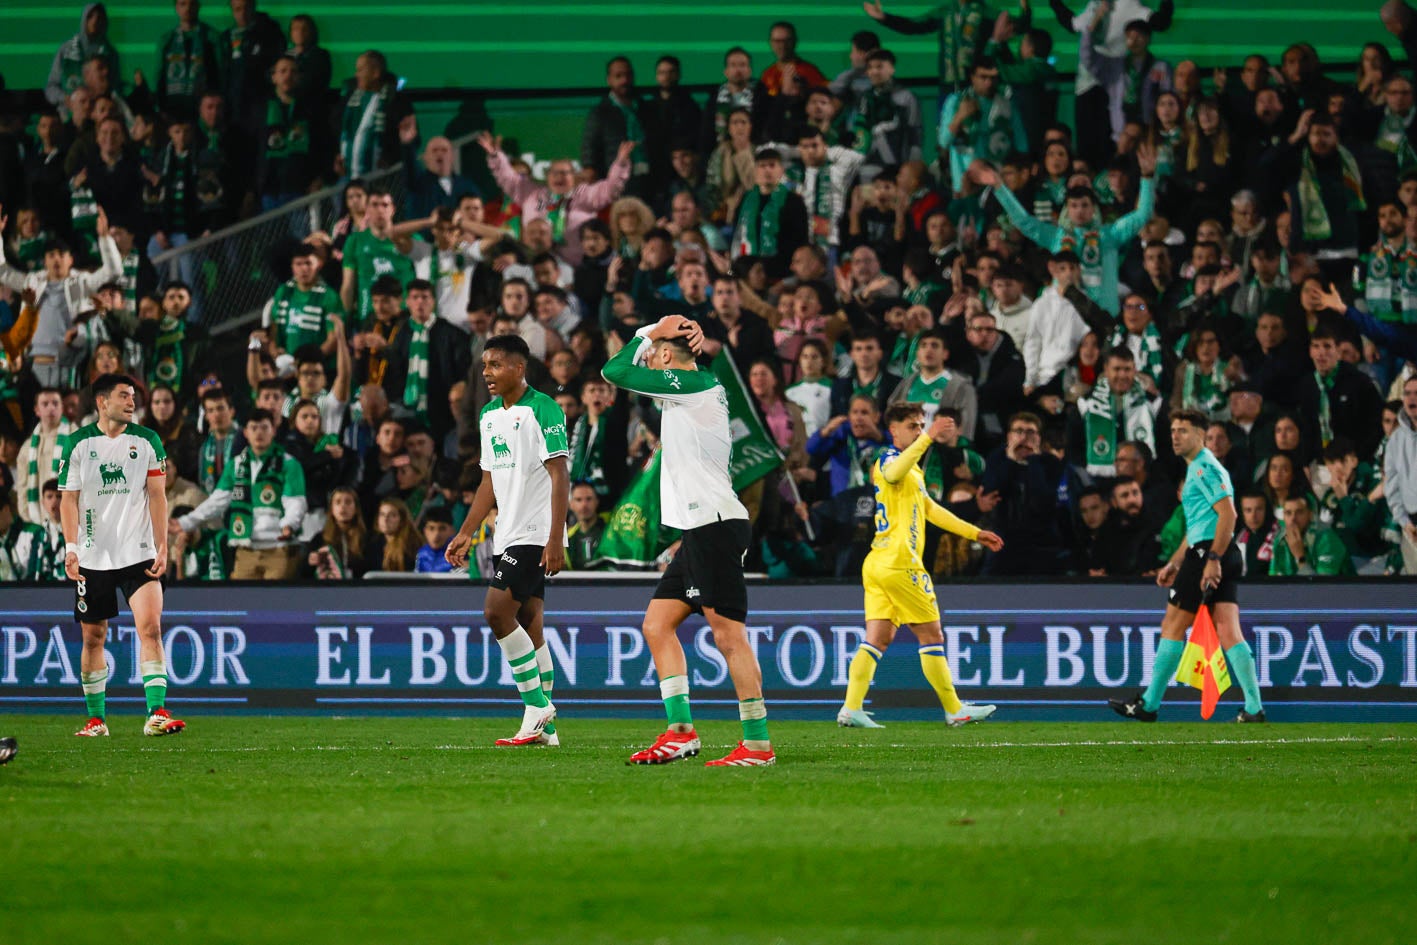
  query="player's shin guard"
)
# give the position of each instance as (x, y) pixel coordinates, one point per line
(521, 656)
(754, 715)
(860, 674)
(674, 690)
(1168, 659)
(95, 693)
(937, 672)
(155, 683)
(547, 672)
(1242, 670)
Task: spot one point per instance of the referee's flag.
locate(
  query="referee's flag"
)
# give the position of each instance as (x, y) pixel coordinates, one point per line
(1203, 663)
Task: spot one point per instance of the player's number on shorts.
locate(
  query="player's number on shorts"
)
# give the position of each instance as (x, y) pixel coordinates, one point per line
(83, 587)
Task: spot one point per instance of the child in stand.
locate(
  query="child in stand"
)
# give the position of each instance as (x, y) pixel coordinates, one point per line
(437, 532)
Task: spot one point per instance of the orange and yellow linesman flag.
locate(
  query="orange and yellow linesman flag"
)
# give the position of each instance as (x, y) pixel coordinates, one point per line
(1203, 663)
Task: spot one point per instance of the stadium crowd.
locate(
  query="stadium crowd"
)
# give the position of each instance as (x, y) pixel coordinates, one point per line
(1244, 243)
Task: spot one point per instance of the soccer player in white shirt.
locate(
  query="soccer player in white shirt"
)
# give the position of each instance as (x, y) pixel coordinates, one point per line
(114, 512)
(525, 473)
(706, 576)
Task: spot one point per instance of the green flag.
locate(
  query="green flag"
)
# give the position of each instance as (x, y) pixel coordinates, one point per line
(754, 452)
(633, 537)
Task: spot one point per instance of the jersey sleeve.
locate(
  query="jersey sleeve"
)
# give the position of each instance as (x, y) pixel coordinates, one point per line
(157, 460)
(1213, 484)
(351, 247)
(69, 478)
(294, 479)
(552, 421)
(667, 384)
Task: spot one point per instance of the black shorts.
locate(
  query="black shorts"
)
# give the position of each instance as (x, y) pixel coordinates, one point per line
(708, 570)
(1186, 593)
(96, 592)
(518, 569)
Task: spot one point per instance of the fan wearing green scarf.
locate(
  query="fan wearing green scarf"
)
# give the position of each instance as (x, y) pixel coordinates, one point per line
(1328, 195)
(262, 496)
(1137, 332)
(40, 455)
(980, 123)
(1386, 276)
(1117, 410)
(772, 220)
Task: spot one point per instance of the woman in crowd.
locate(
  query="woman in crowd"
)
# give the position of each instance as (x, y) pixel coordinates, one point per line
(395, 542)
(321, 457)
(341, 551)
(179, 438)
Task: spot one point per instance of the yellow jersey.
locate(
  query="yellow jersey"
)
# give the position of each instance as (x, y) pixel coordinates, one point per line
(903, 507)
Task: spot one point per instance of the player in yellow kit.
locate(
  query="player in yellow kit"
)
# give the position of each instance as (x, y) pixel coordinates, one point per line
(899, 591)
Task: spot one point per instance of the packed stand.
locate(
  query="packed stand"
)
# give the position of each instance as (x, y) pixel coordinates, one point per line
(1243, 243)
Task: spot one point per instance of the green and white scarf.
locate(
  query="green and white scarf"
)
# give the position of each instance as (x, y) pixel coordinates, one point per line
(83, 211)
(33, 511)
(862, 454)
(1392, 138)
(988, 133)
(634, 131)
(415, 388)
(8, 390)
(1049, 199)
(1151, 361)
(261, 492)
(206, 560)
(588, 454)
(1167, 145)
(1325, 385)
(30, 251)
(185, 66)
(1205, 390)
(362, 129)
(214, 460)
(1389, 281)
(820, 203)
(165, 365)
(758, 231)
(1101, 413)
(1312, 212)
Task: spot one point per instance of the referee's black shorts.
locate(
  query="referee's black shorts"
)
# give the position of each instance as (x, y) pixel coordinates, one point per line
(96, 592)
(708, 570)
(1186, 592)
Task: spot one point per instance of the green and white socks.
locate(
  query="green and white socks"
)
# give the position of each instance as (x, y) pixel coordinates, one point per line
(521, 656)
(154, 683)
(95, 695)
(752, 713)
(547, 671)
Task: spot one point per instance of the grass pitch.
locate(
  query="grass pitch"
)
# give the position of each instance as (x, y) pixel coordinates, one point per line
(313, 830)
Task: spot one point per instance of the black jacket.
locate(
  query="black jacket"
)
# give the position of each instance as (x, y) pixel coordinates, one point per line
(1125, 546)
(605, 130)
(791, 233)
(246, 68)
(449, 358)
(999, 393)
(1355, 410)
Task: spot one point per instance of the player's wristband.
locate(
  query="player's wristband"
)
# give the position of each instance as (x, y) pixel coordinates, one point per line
(71, 548)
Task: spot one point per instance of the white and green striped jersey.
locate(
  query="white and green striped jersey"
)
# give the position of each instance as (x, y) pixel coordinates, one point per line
(516, 443)
(695, 487)
(111, 473)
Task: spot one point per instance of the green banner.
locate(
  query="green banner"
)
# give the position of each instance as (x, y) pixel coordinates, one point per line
(754, 452)
(633, 537)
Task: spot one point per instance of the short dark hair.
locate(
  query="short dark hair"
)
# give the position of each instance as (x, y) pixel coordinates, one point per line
(768, 154)
(735, 51)
(419, 285)
(1340, 447)
(388, 286)
(1326, 330)
(671, 60)
(309, 354)
(1196, 418)
(807, 132)
(271, 383)
(262, 415)
(881, 55)
(1042, 43)
(865, 40)
(1121, 481)
(104, 384)
(595, 225)
(510, 344)
(215, 393)
(50, 485)
(1121, 353)
(784, 25)
(438, 513)
(902, 410)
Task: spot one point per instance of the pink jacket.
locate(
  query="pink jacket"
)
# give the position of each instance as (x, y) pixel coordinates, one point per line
(587, 200)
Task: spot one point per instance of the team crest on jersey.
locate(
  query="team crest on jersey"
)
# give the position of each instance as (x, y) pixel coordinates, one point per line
(132, 452)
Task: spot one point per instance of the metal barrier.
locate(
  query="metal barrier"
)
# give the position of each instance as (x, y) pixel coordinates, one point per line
(233, 271)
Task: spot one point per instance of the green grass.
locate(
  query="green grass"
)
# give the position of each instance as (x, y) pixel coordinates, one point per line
(311, 830)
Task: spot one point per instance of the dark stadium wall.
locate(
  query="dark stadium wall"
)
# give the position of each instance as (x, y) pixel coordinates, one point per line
(1054, 652)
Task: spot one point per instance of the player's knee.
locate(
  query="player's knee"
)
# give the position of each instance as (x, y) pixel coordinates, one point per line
(149, 631)
(728, 637)
(95, 634)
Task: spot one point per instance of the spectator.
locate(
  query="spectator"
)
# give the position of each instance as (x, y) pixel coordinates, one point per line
(1138, 333)
(1127, 544)
(371, 117)
(339, 552)
(1201, 379)
(1137, 460)
(772, 220)
(826, 177)
(1400, 475)
(1055, 327)
(188, 62)
(374, 360)
(587, 528)
(746, 334)
(1389, 125)
(60, 295)
(66, 73)
(1306, 546)
(431, 180)
(436, 355)
(394, 544)
(1337, 397)
(812, 391)
(371, 255)
(312, 62)
(1268, 289)
(180, 439)
(437, 533)
(782, 417)
(852, 83)
(963, 29)
(848, 444)
(1275, 363)
(738, 91)
(223, 441)
(934, 386)
(1327, 196)
(263, 490)
(311, 385)
(1008, 306)
(672, 120)
(996, 369)
(1257, 534)
(321, 457)
(175, 212)
(249, 50)
(1283, 477)
(1349, 497)
(564, 203)
(887, 123)
(1236, 463)
(980, 123)
(614, 129)
(304, 310)
(1026, 480)
(40, 456)
(1118, 409)
(289, 152)
(866, 375)
(1079, 229)
(782, 37)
